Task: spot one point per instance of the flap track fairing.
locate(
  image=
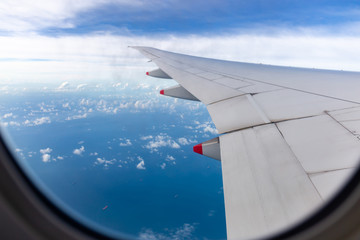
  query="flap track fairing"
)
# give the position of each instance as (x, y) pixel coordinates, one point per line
(158, 73)
(178, 92)
(209, 148)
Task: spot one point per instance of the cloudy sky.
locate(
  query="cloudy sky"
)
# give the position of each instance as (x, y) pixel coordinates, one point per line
(77, 41)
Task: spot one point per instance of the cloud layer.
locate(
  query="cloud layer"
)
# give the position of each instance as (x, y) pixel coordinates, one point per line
(107, 57)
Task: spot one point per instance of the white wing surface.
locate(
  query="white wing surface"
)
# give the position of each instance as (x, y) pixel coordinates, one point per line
(289, 136)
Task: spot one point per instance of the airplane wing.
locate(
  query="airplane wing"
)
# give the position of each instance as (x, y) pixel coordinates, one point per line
(289, 136)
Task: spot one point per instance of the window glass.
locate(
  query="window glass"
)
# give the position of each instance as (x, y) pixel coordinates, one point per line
(119, 160)
(92, 131)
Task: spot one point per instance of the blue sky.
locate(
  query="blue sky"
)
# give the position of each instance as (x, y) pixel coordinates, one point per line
(139, 17)
(209, 17)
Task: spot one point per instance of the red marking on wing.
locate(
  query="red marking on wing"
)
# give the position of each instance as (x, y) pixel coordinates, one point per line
(198, 149)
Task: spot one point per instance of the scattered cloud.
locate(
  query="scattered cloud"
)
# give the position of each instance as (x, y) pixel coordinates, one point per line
(81, 86)
(11, 123)
(125, 142)
(79, 151)
(162, 140)
(141, 164)
(144, 104)
(208, 128)
(66, 105)
(46, 157)
(104, 162)
(163, 165)
(146, 137)
(42, 120)
(37, 121)
(46, 150)
(63, 85)
(79, 116)
(184, 141)
(170, 158)
(7, 115)
(184, 232)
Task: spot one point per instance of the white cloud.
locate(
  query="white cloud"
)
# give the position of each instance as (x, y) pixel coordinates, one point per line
(79, 116)
(126, 143)
(7, 115)
(66, 105)
(22, 15)
(207, 128)
(46, 157)
(37, 121)
(162, 140)
(141, 164)
(46, 150)
(42, 120)
(104, 162)
(183, 232)
(79, 151)
(211, 130)
(63, 85)
(146, 137)
(170, 158)
(70, 61)
(124, 105)
(11, 123)
(144, 104)
(163, 165)
(184, 141)
(81, 86)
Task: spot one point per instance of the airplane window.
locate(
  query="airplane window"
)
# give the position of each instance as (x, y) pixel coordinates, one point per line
(99, 139)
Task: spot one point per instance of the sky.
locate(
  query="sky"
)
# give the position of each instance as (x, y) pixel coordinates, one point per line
(67, 63)
(88, 40)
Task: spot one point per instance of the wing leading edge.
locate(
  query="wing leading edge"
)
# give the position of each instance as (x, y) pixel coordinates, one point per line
(290, 136)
